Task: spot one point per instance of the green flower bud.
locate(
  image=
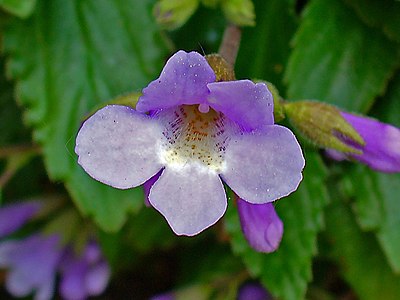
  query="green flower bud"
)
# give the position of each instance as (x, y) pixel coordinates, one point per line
(239, 12)
(323, 124)
(172, 14)
(222, 69)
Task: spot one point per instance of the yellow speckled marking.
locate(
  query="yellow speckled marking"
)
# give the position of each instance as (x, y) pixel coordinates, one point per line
(194, 136)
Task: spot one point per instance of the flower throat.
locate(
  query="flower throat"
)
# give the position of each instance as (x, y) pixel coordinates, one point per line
(192, 135)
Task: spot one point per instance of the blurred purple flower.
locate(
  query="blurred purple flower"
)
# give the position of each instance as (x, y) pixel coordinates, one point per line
(382, 144)
(84, 275)
(199, 132)
(253, 291)
(166, 296)
(14, 216)
(261, 225)
(32, 265)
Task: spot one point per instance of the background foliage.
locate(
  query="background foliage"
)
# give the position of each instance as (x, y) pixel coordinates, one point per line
(62, 59)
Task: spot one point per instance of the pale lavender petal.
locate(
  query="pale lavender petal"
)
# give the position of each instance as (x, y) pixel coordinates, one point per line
(36, 255)
(97, 278)
(261, 225)
(191, 198)
(253, 291)
(263, 167)
(382, 143)
(248, 104)
(13, 216)
(119, 146)
(183, 80)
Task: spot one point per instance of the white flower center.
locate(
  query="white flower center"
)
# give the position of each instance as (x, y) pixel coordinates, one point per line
(195, 134)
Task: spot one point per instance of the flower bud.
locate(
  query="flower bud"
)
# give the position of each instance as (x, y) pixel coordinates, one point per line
(222, 69)
(172, 14)
(324, 125)
(239, 12)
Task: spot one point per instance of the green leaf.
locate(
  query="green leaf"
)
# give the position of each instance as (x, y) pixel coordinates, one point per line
(377, 194)
(362, 262)
(384, 14)
(338, 59)
(69, 57)
(264, 49)
(287, 271)
(20, 8)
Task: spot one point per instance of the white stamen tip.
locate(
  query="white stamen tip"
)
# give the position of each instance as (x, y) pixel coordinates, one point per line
(204, 108)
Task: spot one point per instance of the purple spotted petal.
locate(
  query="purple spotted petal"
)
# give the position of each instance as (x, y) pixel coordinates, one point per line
(32, 266)
(191, 198)
(261, 225)
(382, 143)
(253, 291)
(13, 216)
(248, 104)
(183, 80)
(263, 167)
(119, 147)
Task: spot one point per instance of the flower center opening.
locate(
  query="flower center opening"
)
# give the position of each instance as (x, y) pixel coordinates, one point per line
(195, 134)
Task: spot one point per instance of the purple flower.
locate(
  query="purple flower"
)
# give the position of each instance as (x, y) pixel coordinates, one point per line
(166, 296)
(14, 216)
(84, 275)
(382, 144)
(198, 132)
(261, 225)
(32, 265)
(253, 291)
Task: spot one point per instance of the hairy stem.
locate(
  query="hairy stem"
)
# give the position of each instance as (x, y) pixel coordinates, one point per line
(230, 44)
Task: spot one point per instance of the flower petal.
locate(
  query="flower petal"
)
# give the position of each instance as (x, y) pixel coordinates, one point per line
(253, 291)
(37, 255)
(118, 146)
(72, 286)
(13, 216)
(263, 167)
(248, 104)
(147, 186)
(97, 278)
(183, 80)
(261, 225)
(382, 143)
(191, 198)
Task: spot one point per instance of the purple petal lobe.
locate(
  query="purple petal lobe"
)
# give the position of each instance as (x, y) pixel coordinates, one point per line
(248, 104)
(36, 255)
(97, 278)
(253, 291)
(183, 80)
(263, 167)
(119, 146)
(261, 225)
(191, 198)
(382, 143)
(147, 186)
(72, 285)
(13, 216)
